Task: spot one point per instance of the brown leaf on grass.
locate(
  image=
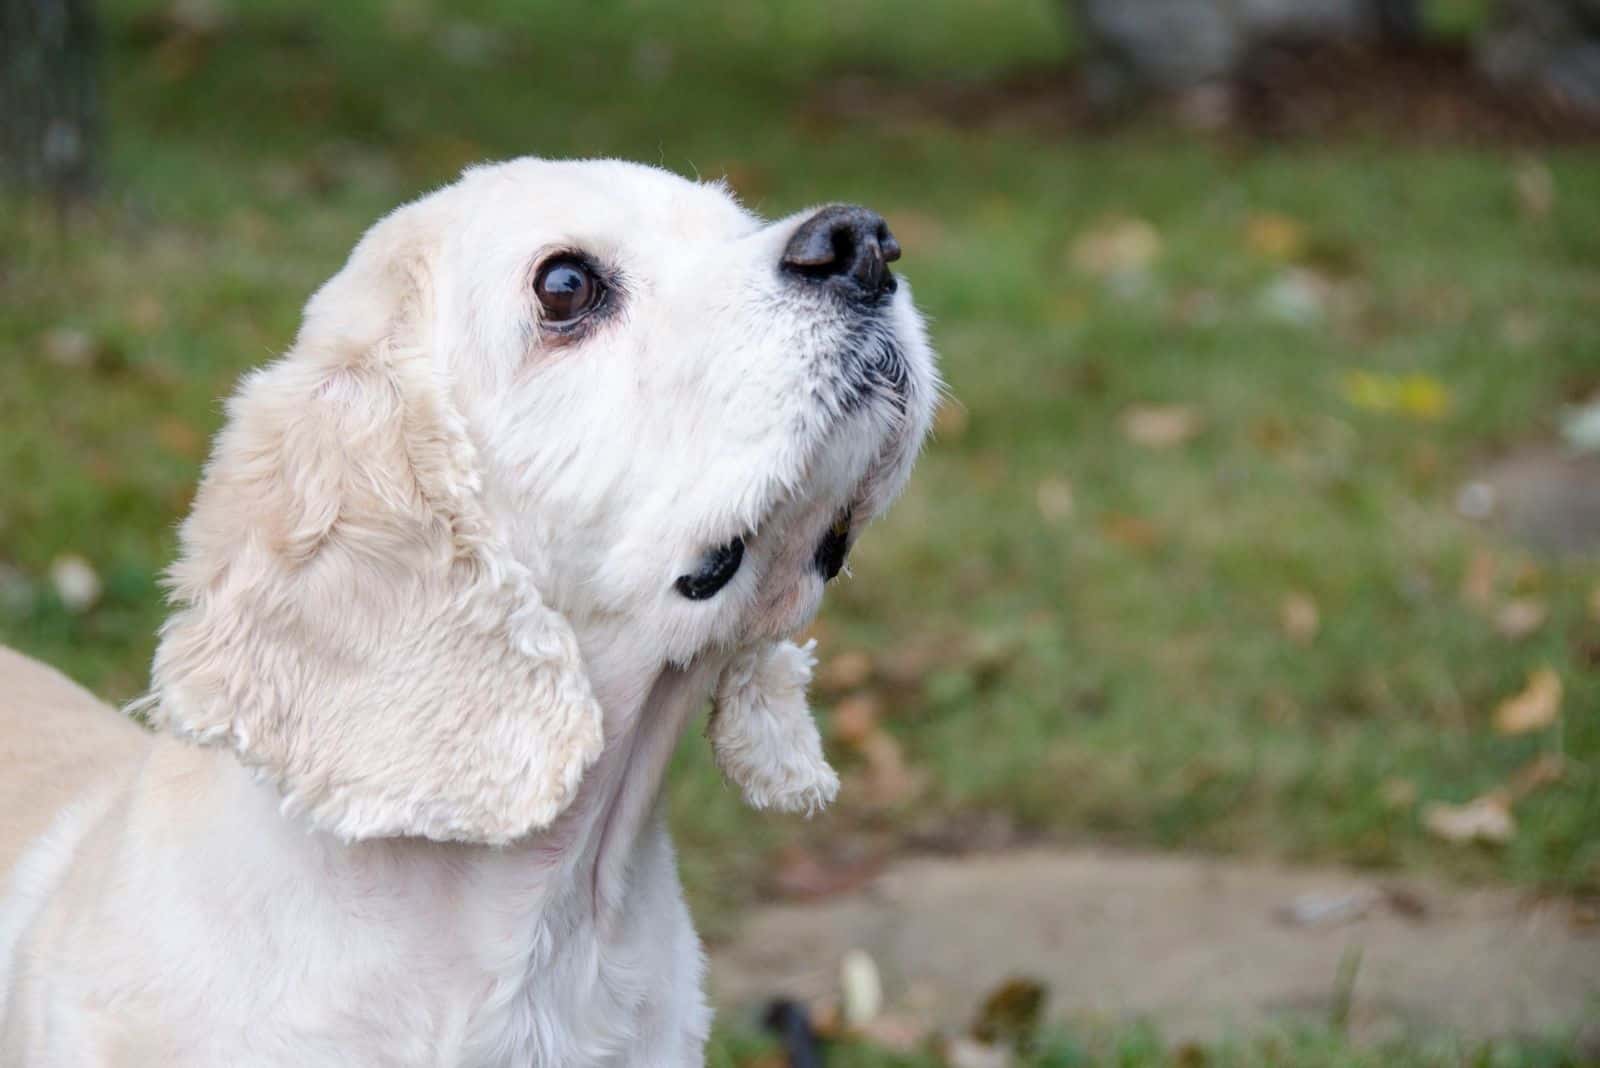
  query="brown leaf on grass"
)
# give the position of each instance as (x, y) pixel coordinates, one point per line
(1274, 236)
(1053, 496)
(180, 438)
(1520, 617)
(855, 718)
(1117, 246)
(1594, 603)
(1130, 531)
(889, 781)
(1535, 707)
(1299, 618)
(1160, 426)
(849, 670)
(1477, 583)
(1484, 819)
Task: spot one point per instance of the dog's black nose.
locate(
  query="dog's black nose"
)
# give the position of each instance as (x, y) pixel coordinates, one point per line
(844, 247)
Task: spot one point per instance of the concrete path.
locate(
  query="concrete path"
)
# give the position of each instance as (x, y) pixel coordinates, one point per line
(1203, 947)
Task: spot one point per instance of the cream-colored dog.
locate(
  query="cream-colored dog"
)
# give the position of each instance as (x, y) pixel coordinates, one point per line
(563, 450)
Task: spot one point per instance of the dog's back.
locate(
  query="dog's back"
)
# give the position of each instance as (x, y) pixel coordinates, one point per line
(56, 741)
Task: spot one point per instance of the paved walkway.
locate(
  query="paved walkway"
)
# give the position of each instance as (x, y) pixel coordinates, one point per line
(1203, 947)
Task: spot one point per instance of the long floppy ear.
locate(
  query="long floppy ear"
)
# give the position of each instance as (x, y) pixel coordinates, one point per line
(762, 733)
(345, 616)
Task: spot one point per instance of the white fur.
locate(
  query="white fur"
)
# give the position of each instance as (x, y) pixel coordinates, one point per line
(762, 732)
(426, 664)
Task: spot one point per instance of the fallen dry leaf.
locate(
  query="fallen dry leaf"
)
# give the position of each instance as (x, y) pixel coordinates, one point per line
(1477, 584)
(1160, 426)
(1483, 819)
(889, 781)
(1537, 705)
(1130, 531)
(180, 438)
(1594, 603)
(847, 671)
(1117, 246)
(1053, 496)
(1520, 617)
(1299, 618)
(854, 720)
(1274, 236)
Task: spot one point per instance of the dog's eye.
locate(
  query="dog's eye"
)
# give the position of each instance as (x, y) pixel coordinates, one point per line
(567, 289)
(716, 570)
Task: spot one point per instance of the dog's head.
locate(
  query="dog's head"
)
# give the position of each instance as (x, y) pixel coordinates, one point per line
(551, 429)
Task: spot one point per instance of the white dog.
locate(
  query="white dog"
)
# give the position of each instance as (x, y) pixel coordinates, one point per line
(563, 450)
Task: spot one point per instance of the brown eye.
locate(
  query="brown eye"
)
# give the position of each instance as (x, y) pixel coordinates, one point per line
(567, 289)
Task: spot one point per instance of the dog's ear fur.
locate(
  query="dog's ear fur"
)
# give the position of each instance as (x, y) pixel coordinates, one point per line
(345, 616)
(762, 733)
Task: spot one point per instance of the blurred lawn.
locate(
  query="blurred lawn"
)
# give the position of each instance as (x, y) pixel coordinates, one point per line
(1069, 629)
(1141, 1046)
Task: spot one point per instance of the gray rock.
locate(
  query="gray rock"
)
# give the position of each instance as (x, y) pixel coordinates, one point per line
(1547, 45)
(1179, 44)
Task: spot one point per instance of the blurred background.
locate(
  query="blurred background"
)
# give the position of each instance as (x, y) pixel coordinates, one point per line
(1226, 687)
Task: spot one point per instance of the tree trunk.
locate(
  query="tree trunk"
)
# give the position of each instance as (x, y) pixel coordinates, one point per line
(49, 101)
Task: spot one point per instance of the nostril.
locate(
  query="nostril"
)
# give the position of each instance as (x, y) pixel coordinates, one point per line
(844, 246)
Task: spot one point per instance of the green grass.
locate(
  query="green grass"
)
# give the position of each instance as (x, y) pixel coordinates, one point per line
(1142, 1046)
(1117, 672)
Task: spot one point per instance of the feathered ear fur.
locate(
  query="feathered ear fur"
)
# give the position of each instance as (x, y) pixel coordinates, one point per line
(346, 617)
(762, 733)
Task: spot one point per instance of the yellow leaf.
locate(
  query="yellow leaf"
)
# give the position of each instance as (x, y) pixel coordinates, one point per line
(1417, 396)
(1274, 236)
(1536, 707)
(1422, 397)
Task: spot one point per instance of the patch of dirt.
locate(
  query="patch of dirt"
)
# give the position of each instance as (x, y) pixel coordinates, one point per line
(1204, 947)
(1420, 94)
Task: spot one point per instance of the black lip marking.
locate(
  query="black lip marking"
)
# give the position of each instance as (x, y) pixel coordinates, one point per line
(717, 569)
(833, 548)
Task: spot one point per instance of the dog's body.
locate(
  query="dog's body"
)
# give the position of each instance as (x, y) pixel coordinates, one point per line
(428, 661)
(169, 915)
